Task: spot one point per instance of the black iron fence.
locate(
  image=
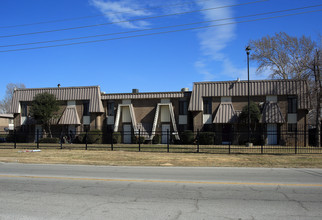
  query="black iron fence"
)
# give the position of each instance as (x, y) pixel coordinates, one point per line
(235, 142)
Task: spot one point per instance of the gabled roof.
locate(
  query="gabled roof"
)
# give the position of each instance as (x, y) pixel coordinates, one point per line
(91, 93)
(225, 114)
(257, 88)
(272, 114)
(145, 95)
(6, 115)
(70, 116)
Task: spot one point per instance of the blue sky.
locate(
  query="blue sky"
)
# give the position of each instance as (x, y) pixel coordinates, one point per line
(164, 62)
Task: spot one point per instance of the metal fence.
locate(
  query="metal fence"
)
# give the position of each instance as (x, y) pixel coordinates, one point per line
(263, 142)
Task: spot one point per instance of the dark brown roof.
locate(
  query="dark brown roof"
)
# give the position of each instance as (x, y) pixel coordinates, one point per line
(146, 95)
(257, 88)
(91, 93)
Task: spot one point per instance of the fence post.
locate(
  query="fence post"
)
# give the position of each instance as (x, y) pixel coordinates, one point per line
(229, 147)
(112, 148)
(198, 147)
(139, 140)
(168, 147)
(296, 142)
(86, 139)
(15, 138)
(61, 139)
(37, 139)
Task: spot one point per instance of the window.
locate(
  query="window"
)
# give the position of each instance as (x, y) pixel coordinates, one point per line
(183, 107)
(292, 104)
(207, 106)
(110, 108)
(24, 111)
(292, 127)
(86, 108)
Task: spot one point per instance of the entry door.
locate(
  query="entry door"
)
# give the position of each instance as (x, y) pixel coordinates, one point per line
(127, 132)
(39, 128)
(271, 134)
(165, 128)
(72, 132)
(226, 133)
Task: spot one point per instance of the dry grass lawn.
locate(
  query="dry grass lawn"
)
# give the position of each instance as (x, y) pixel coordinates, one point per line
(125, 158)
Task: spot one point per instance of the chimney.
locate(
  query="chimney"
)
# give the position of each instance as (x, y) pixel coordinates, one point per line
(58, 85)
(185, 90)
(134, 91)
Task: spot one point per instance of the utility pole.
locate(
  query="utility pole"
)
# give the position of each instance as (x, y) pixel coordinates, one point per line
(247, 52)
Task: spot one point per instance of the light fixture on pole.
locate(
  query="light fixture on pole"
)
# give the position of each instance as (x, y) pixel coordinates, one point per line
(247, 52)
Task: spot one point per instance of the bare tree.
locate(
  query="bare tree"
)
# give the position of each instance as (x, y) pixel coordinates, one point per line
(316, 69)
(5, 103)
(292, 58)
(284, 55)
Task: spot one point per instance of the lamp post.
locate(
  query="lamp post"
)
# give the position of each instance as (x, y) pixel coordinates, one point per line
(247, 52)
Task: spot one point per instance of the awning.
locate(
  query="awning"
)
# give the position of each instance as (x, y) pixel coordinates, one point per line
(272, 114)
(70, 116)
(225, 114)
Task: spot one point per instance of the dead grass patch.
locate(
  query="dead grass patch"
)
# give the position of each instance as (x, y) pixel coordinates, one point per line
(125, 158)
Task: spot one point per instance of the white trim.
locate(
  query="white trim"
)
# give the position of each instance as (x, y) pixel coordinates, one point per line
(172, 119)
(118, 115)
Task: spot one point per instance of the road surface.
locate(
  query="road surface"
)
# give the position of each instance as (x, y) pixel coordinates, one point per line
(99, 192)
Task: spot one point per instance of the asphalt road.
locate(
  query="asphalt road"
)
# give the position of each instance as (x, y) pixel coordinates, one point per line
(98, 192)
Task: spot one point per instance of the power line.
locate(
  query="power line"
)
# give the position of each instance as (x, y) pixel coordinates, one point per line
(131, 20)
(150, 29)
(157, 33)
(100, 15)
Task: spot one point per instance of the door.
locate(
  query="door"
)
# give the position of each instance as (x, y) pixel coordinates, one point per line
(71, 132)
(127, 132)
(165, 129)
(39, 129)
(226, 134)
(271, 134)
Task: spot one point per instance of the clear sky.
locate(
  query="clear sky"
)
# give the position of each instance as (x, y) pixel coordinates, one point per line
(162, 62)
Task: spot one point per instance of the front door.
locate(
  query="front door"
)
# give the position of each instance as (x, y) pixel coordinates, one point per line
(165, 129)
(127, 132)
(38, 132)
(71, 132)
(271, 134)
(226, 133)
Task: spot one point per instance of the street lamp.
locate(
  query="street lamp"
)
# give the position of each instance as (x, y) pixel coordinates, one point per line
(247, 52)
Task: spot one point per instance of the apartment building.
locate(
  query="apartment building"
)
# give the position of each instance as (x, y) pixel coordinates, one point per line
(210, 106)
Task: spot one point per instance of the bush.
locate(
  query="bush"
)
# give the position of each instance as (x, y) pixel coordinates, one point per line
(206, 138)
(94, 137)
(187, 137)
(79, 139)
(20, 137)
(135, 139)
(156, 139)
(49, 140)
(117, 137)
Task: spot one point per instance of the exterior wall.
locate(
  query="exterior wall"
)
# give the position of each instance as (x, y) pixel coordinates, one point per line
(4, 123)
(197, 121)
